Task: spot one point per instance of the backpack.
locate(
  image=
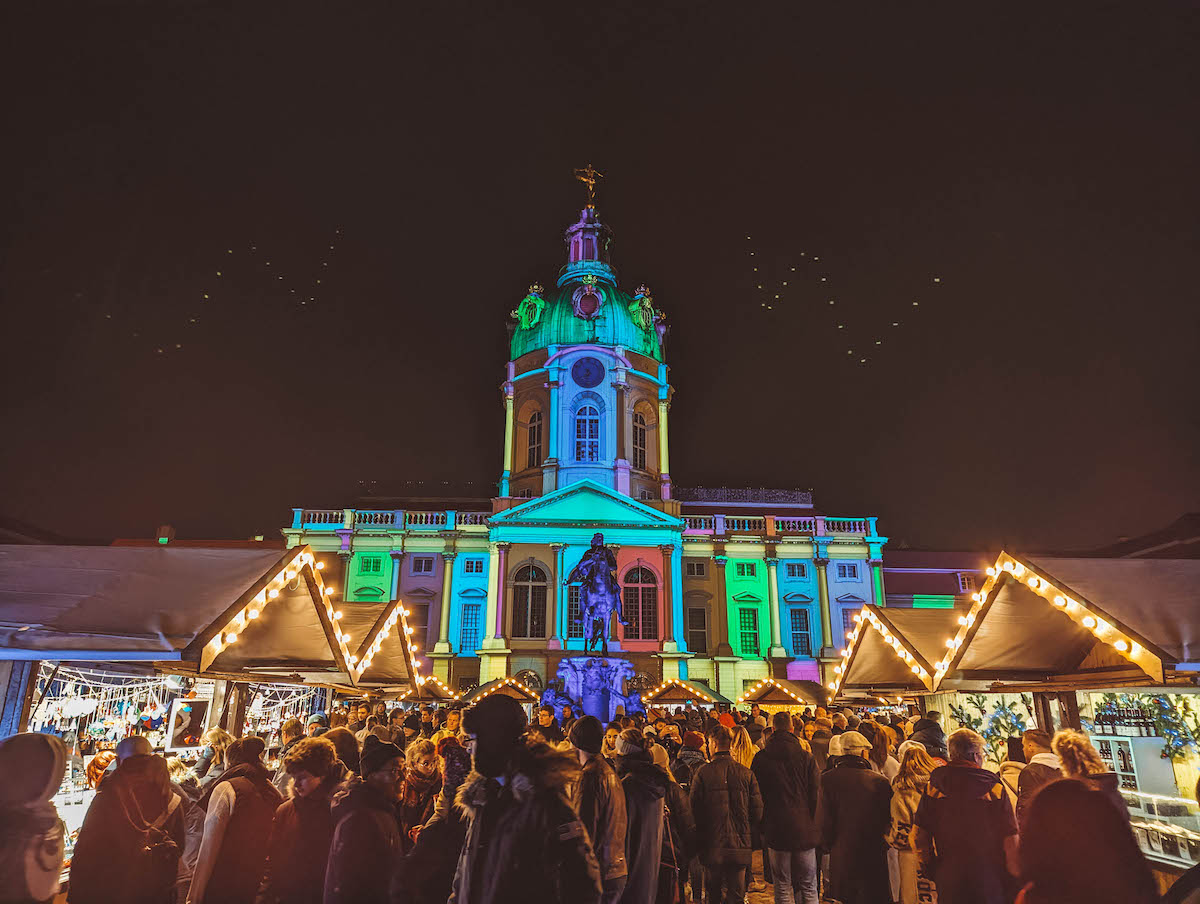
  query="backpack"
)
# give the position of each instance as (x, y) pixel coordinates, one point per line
(156, 862)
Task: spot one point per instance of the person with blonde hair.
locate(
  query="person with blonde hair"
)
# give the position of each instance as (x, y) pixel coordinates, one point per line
(1081, 761)
(420, 789)
(910, 783)
(743, 749)
(212, 758)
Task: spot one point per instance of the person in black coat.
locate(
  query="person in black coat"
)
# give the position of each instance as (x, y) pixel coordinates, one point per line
(599, 800)
(790, 784)
(928, 731)
(645, 787)
(855, 817)
(302, 831)
(727, 807)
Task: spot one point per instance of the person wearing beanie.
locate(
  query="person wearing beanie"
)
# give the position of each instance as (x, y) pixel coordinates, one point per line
(857, 816)
(316, 725)
(524, 840)
(31, 857)
(645, 787)
(366, 836)
(600, 801)
(135, 801)
(689, 759)
(239, 807)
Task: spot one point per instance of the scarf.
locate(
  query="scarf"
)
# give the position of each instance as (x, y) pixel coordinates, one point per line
(417, 797)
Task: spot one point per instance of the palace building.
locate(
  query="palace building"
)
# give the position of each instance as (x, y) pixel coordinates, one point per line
(720, 586)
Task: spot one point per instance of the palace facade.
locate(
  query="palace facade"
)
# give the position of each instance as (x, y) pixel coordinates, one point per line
(722, 586)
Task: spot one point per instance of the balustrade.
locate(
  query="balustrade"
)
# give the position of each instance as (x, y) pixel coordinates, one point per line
(425, 519)
(367, 518)
(322, 517)
(796, 525)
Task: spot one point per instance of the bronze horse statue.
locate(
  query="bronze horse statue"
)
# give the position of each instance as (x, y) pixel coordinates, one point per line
(599, 594)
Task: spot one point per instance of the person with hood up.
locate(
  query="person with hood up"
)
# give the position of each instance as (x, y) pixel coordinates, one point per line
(689, 759)
(1080, 761)
(524, 840)
(426, 874)
(366, 836)
(856, 813)
(130, 842)
(645, 787)
(907, 788)
(239, 807)
(727, 807)
(928, 732)
(599, 799)
(965, 816)
(31, 856)
(302, 831)
(790, 785)
(420, 789)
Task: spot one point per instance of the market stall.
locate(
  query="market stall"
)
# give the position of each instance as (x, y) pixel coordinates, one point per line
(510, 687)
(773, 694)
(891, 651)
(678, 692)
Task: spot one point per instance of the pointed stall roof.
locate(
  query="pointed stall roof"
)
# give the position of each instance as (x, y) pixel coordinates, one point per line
(784, 692)
(677, 690)
(511, 687)
(893, 649)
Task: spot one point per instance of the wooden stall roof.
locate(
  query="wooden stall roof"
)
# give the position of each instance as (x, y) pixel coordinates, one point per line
(677, 690)
(891, 650)
(784, 692)
(509, 686)
(1086, 621)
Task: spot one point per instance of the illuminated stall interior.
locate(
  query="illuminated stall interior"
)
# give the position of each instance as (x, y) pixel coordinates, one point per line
(773, 694)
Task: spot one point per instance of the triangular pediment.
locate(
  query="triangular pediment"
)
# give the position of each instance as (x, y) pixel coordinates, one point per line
(586, 503)
(746, 597)
(850, 599)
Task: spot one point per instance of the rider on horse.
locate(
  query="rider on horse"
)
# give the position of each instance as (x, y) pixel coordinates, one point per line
(599, 593)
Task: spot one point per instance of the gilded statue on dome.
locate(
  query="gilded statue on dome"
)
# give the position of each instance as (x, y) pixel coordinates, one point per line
(641, 309)
(529, 311)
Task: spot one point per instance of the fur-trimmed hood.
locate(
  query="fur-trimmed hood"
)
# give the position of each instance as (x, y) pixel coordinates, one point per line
(533, 767)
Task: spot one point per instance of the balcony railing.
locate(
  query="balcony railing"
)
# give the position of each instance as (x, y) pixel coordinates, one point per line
(716, 525)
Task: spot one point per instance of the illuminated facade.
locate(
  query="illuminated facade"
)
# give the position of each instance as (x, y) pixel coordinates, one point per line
(720, 586)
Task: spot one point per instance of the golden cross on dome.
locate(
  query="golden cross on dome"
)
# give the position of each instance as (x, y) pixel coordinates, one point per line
(588, 176)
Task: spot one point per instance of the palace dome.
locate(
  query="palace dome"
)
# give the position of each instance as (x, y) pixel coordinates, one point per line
(586, 307)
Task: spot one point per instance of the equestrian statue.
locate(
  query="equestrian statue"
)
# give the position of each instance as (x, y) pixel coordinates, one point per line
(599, 594)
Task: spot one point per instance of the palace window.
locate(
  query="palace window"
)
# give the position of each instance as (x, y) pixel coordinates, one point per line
(748, 630)
(418, 618)
(645, 495)
(639, 441)
(587, 434)
(471, 638)
(797, 570)
(746, 569)
(695, 569)
(697, 630)
(422, 565)
(535, 440)
(529, 603)
(847, 571)
(473, 566)
(641, 604)
(801, 634)
(370, 565)
(848, 622)
(526, 493)
(574, 613)
(966, 583)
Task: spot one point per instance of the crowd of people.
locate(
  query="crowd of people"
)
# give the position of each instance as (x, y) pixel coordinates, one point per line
(483, 807)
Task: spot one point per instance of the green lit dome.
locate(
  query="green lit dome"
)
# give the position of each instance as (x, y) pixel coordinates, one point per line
(586, 307)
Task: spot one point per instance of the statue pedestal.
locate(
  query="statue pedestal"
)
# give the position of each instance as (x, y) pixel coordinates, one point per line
(597, 683)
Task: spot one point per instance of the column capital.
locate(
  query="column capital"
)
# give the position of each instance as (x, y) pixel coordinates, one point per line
(556, 547)
(449, 556)
(772, 561)
(721, 560)
(820, 562)
(397, 554)
(875, 563)
(499, 546)
(667, 547)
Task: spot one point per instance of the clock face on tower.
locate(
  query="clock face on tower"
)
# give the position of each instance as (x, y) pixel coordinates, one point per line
(587, 372)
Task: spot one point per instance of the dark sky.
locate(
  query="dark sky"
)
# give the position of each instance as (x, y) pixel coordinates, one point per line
(1026, 173)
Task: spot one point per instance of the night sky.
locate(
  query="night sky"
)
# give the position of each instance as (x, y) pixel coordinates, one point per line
(257, 253)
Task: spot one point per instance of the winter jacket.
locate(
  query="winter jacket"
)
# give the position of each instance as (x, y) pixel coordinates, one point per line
(1108, 784)
(524, 841)
(107, 863)
(915, 886)
(820, 747)
(193, 829)
(282, 779)
(790, 786)
(240, 806)
(418, 795)
(645, 787)
(298, 849)
(599, 799)
(686, 763)
(1010, 778)
(930, 733)
(366, 842)
(967, 812)
(1043, 768)
(727, 807)
(679, 833)
(855, 817)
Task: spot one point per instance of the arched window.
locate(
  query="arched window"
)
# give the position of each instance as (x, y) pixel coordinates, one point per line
(587, 434)
(639, 441)
(640, 604)
(529, 603)
(535, 440)
(530, 679)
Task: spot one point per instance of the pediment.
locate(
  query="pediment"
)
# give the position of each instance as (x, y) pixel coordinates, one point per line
(747, 597)
(850, 599)
(420, 593)
(797, 598)
(586, 503)
(473, 593)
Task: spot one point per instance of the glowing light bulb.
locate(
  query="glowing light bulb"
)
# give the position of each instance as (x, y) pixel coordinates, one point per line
(1059, 601)
(328, 589)
(337, 615)
(1121, 645)
(320, 565)
(1089, 622)
(353, 659)
(252, 613)
(230, 637)
(273, 594)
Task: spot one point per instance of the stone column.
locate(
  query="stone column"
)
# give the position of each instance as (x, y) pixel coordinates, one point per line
(720, 615)
(397, 564)
(501, 585)
(668, 600)
(493, 591)
(346, 557)
(776, 651)
(509, 427)
(552, 420)
(877, 582)
(443, 642)
(664, 462)
(559, 640)
(621, 458)
(828, 648)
